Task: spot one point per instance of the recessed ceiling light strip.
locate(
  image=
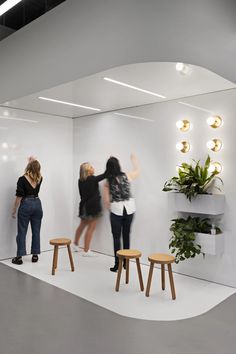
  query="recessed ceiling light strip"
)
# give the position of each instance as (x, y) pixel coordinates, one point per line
(20, 119)
(7, 5)
(196, 107)
(68, 103)
(133, 87)
(134, 117)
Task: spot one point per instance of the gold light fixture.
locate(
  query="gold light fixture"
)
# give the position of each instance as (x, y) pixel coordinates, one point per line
(215, 167)
(183, 146)
(214, 145)
(183, 125)
(214, 121)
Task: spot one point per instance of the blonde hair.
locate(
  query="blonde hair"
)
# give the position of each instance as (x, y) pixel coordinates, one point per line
(84, 171)
(33, 171)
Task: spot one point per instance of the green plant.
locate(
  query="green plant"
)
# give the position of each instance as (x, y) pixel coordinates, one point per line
(182, 241)
(192, 179)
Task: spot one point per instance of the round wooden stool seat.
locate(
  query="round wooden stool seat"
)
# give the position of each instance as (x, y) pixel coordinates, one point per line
(161, 258)
(57, 242)
(60, 242)
(129, 254)
(126, 255)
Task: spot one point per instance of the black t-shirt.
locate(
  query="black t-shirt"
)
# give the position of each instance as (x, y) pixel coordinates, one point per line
(24, 188)
(90, 195)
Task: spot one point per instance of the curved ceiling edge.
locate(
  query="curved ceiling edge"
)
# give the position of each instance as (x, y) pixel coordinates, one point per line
(81, 38)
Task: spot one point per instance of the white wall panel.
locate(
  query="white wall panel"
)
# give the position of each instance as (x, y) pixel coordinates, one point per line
(50, 140)
(97, 137)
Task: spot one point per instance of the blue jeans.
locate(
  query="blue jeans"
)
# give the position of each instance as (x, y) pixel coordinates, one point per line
(30, 211)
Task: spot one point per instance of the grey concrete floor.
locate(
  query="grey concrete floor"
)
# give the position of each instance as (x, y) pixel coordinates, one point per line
(38, 318)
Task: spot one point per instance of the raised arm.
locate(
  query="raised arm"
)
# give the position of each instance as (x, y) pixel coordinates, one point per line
(99, 178)
(136, 168)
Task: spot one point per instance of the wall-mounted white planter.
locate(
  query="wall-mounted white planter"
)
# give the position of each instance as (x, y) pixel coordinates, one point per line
(210, 244)
(210, 204)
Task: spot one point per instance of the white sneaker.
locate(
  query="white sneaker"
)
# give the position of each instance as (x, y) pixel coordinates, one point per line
(76, 248)
(89, 254)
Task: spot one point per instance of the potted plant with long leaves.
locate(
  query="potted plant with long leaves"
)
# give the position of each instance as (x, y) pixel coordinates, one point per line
(193, 179)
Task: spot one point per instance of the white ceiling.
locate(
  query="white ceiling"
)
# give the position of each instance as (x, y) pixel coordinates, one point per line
(94, 91)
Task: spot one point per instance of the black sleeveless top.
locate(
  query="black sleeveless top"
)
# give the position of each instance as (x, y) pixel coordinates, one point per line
(119, 188)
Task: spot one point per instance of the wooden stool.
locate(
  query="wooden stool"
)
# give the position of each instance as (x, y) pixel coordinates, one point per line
(160, 258)
(127, 255)
(56, 242)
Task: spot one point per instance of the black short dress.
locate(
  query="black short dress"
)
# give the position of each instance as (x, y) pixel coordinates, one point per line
(90, 205)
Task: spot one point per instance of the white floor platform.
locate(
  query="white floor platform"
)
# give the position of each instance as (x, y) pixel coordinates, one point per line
(93, 281)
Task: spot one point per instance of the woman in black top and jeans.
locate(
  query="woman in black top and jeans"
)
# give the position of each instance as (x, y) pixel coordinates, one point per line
(90, 206)
(30, 210)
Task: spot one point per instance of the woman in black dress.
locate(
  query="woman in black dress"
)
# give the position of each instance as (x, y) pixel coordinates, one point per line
(90, 206)
(29, 211)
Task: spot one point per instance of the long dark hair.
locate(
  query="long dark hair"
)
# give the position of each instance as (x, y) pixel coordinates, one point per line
(113, 168)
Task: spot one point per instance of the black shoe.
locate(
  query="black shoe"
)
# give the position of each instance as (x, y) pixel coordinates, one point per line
(35, 258)
(17, 260)
(115, 268)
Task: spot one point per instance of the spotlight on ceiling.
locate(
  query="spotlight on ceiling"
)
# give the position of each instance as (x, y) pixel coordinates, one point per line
(183, 69)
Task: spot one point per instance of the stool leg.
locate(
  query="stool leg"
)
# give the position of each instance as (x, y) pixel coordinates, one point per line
(119, 274)
(71, 258)
(139, 274)
(54, 262)
(149, 279)
(163, 276)
(56, 256)
(127, 271)
(172, 286)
